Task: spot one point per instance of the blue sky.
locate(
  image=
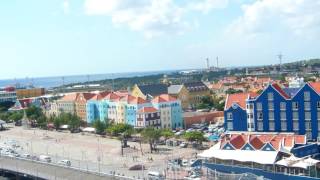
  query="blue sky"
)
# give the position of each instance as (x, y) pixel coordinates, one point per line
(67, 37)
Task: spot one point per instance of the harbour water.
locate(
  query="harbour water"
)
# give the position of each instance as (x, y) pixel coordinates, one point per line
(49, 82)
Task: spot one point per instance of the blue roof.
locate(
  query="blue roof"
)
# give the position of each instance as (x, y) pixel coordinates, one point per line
(291, 91)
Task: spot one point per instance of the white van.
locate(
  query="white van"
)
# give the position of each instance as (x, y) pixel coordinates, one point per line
(45, 158)
(153, 175)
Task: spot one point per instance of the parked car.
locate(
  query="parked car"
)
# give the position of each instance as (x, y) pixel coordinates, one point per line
(153, 175)
(18, 123)
(137, 167)
(26, 156)
(65, 162)
(45, 158)
(183, 145)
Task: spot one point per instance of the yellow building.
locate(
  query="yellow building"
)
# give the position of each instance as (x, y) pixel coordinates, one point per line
(180, 92)
(196, 90)
(26, 93)
(150, 90)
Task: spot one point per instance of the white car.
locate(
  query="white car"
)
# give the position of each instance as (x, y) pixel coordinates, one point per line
(27, 156)
(45, 158)
(65, 162)
(183, 145)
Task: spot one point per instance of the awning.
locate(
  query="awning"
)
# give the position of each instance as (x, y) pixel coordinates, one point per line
(261, 157)
(282, 162)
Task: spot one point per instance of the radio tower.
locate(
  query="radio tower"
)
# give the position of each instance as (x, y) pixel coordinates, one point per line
(208, 64)
(217, 62)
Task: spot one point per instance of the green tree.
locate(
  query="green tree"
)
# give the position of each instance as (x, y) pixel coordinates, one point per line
(57, 122)
(117, 129)
(100, 126)
(195, 136)
(167, 133)
(151, 135)
(16, 116)
(34, 113)
(74, 123)
(233, 91)
(4, 116)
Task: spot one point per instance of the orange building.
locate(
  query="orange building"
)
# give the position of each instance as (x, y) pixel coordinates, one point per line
(26, 93)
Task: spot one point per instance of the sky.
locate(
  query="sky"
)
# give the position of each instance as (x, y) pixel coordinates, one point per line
(67, 37)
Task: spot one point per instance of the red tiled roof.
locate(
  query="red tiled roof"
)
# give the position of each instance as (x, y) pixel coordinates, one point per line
(256, 142)
(112, 97)
(315, 86)
(88, 96)
(238, 141)
(280, 90)
(288, 142)
(70, 97)
(25, 102)
(163, 98)
(148, 110)
(300, 139)
(238, 98)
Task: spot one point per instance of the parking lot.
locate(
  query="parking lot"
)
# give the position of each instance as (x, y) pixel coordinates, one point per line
(92, 152)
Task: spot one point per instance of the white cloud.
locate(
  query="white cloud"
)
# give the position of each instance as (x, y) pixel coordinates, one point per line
(299, 17)
(66, 6)
(207, 5)
(152, 17)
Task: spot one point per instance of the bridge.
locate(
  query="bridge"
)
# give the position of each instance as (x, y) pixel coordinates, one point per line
(39, 170)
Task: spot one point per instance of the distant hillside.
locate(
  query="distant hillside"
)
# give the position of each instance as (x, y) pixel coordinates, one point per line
(310, 62)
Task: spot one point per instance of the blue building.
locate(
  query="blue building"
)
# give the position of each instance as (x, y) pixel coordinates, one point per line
(276, 109)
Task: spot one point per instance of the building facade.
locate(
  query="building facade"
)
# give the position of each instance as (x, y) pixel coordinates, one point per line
(170, 111)
(33, 92)
(278, 109)
(8, 96)
(127, 109)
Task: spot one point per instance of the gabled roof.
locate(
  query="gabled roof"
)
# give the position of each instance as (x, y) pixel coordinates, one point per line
(196, 86)
(87, 96)
(238, 141)
(163, 98)
(70, 97)
(133, 100)
(256, 142)
(174, 89)
(147, 110)
(238, 98)
(291, 91)
(25, 102)
(153, 89)
(315, 86)
(280, 90)
(112, 97)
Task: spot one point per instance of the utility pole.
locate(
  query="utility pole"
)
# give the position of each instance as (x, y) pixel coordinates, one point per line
(208, 63)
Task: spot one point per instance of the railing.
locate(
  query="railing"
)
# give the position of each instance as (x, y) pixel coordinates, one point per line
(51, 170)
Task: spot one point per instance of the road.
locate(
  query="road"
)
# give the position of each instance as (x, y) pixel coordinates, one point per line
(50, 171)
